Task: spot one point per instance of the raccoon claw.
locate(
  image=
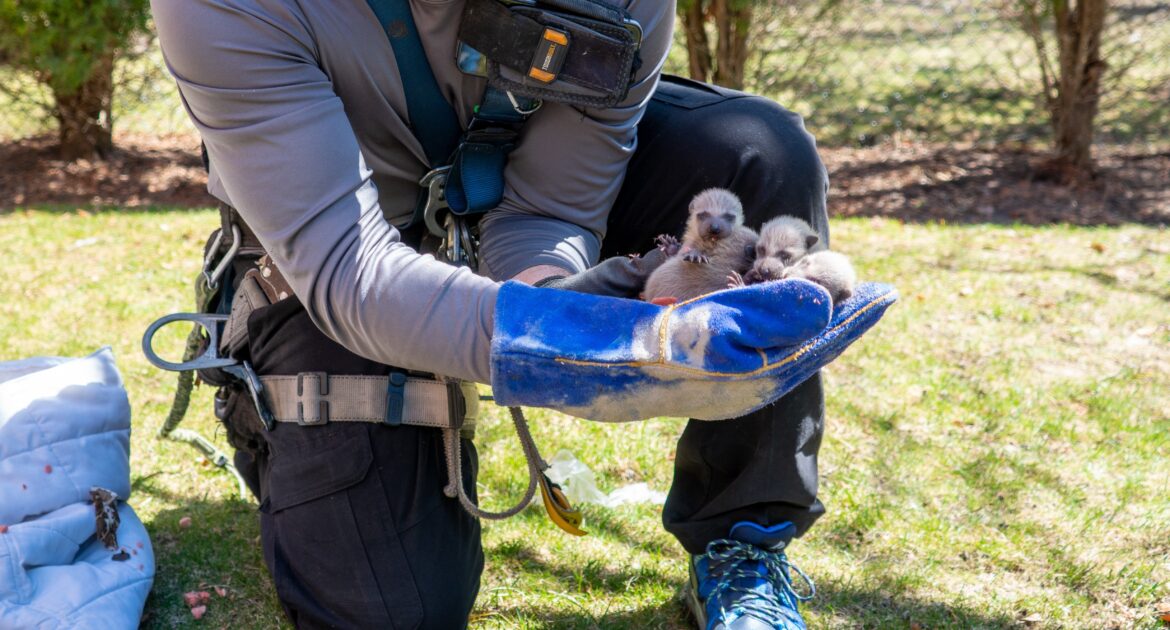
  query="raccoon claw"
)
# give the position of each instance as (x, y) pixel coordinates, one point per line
(695, 257)
(735, 280)
(668, 244)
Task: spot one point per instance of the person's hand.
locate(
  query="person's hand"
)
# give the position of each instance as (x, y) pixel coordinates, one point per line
(620, 276)
(715, 357)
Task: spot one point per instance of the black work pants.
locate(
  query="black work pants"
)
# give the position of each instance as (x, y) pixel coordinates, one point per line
(355, 529)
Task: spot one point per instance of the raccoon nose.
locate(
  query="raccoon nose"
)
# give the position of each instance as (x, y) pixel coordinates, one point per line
(716, 229)
(769, 269)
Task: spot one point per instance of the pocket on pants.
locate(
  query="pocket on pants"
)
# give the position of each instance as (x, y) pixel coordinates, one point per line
(332, 542)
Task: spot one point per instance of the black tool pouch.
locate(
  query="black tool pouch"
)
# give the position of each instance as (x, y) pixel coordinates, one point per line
(581, 52)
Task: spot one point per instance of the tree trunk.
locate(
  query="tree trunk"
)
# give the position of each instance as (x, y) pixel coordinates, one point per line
(85, 127)
(1078, 30)
(732, 20)
(698, 47)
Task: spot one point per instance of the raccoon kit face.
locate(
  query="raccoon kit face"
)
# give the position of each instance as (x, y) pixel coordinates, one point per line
(828, 269)
(783, 241)
(714, 214)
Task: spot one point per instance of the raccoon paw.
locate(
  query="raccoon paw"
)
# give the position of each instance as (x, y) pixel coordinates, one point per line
(668, 244)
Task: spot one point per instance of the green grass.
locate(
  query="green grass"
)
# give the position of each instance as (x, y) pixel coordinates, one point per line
(995, 449)
(942, 71)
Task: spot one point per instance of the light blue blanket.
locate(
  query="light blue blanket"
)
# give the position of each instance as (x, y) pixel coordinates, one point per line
(65, 429)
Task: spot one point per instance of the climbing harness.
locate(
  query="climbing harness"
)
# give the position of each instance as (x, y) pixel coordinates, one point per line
(207, 289)
(580, 52)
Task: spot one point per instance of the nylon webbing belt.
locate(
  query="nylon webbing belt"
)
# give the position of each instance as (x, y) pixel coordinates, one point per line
(313, 398)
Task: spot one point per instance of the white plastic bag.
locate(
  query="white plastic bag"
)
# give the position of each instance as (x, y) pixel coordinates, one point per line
(580, 485)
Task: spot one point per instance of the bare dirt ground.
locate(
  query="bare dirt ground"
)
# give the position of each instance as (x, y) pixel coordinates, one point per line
(916, 182)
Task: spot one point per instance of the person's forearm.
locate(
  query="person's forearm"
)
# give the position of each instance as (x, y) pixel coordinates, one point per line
(510, 244)
(533, 275)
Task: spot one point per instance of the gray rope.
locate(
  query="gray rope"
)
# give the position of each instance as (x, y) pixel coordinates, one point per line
(186, 384)
(169, 429)
(454, 488)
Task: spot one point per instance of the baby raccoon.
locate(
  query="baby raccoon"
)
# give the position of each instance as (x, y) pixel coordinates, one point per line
(828, 269)
(783, 241)
(714, 246)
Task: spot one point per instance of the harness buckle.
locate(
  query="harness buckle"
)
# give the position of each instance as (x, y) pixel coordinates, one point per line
(312, 397)
(549, 56)
(435, 182)
(245, 373)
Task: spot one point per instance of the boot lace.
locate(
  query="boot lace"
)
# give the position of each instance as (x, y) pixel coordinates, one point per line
(735, 565)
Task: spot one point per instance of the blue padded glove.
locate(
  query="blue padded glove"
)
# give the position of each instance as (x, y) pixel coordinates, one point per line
(715, 357)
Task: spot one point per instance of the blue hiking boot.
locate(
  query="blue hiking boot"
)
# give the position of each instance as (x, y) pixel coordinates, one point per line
(743, 582)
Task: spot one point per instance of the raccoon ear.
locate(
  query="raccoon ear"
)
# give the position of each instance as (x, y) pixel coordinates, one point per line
(811, 240)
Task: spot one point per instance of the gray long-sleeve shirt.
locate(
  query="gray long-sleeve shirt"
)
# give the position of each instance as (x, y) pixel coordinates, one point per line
(302, 110)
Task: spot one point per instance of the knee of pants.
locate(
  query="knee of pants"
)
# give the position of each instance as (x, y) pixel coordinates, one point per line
(771, 159)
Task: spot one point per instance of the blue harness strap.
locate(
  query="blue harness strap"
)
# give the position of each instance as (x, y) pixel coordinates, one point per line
(432, 120)
(477, 157)
(476, 181)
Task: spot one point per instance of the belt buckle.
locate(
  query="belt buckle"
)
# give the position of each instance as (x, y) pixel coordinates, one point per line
(312, 397)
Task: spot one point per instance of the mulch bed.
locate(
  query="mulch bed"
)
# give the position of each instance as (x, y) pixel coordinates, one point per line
(144, 171)
(995, 185)
(916, 182)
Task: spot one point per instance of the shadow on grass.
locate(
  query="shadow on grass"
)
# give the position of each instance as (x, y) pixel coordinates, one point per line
(1111, 281)
(591, 574)
(876, 604)
(880, 606)
(834, 605)
(669, 614)
(1096, 273)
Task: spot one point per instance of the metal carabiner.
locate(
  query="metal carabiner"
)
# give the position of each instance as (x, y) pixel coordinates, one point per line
(451, 240)
(210, 359)
(458, 244)
(536, 103)
(211, 278)
(465, 238)
(435, 182)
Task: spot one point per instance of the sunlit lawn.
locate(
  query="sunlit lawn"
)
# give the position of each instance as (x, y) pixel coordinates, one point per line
(995, 452)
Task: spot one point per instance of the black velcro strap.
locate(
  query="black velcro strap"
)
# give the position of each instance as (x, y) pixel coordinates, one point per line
(600, 56)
